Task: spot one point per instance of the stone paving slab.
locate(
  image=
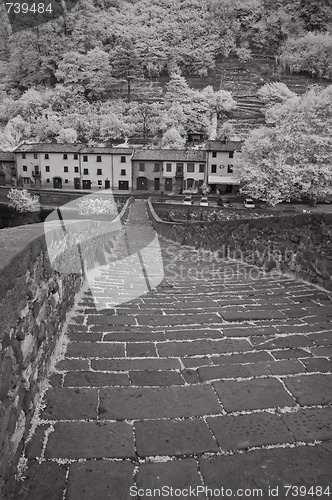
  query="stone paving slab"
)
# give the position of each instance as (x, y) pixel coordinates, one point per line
(100, 480)
(264, 469)
(45, 480)
(91, 440)
(170, 402)
(70, 404)
(311, 389)
(167, 437)
(253, 394)
(310, 424)
(216, 382)
(150, 378)
(245, 431)
(178, 474)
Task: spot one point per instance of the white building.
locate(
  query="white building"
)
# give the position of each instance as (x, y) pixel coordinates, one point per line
(73, 166)
(221, 173)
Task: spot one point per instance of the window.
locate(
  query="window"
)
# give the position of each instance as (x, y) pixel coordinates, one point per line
(231, 154)
(65, 169)
(141, 167)
(85, 158)
(123, 159)
(76, 169)
(66, 181)
(100, 183)
(75, 156)
(99, 159)
(229, 169)
(25, 168)
(214, 154)
(47, 168)
(24, 156)
(47, 156)
(47, 180)
(201, 167)
(168, 167)
(123, 171)
(26, 180)
(99, 171)
(213, 169)
(85, 171)
(65, 156)
(35, 156)
(190, 167)
(157, 167)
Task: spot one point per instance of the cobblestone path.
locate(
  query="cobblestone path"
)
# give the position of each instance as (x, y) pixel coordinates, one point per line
(219, 378)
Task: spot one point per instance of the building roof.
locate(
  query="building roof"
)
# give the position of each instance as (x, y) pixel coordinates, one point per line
(105, 150)
(49, 148)
(170, 155)
(70, 148)
(224, 146)
(7, 156)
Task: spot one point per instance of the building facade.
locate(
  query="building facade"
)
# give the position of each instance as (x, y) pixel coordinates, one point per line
(75, 166)
(72, 166)
(166, 170)
(221, 173)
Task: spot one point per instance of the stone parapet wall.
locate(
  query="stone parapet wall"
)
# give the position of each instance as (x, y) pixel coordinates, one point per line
(34, 303)
(297, 244)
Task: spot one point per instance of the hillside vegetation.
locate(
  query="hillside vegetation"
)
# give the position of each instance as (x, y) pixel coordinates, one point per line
(100, 72)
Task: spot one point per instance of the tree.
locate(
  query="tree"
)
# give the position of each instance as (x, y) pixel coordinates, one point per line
(292, 157)
(147, 119)
(112, 127)
(172, 139)
(90, 72)
(67, 135)
(275, 93)
(16, 131)
(126, 63)
(217, 105)
(311, 53)
(226, 132)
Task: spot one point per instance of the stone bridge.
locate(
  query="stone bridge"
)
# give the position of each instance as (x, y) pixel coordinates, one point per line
(215, 383)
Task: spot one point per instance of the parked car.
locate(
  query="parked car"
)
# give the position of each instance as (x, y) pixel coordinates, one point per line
(248, 203)
(188, 200)
(204, 201)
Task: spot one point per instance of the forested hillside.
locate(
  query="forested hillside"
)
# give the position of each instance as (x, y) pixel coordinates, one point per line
(98, 73)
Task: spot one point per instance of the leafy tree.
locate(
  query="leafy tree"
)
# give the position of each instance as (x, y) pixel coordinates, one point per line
(126, 63)
(90, 72)
(147, 119)
(112, 127)
(15, 132)
(275, 93)
(226, 132)
(291, 158)
(67, 135)
(172, 139)
(217, 105)
(311, 53)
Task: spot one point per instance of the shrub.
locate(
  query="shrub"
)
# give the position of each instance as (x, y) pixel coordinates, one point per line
(97, 206)
(22, 201)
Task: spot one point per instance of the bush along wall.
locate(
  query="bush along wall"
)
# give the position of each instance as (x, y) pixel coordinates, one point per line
(34, 302)
(297, 244)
